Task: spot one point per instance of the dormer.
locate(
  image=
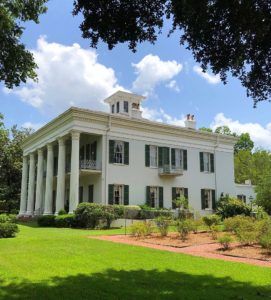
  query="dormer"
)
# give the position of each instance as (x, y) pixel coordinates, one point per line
(125, 104)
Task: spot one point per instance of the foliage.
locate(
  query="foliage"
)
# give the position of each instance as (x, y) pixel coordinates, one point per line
(233, 223)
(141, 228)
(244, 143)
(206, 129)
(10, 165)
(87, 215)
(65, 221)
(111, 213)
(247, 232)
(16, 62)
(46, 221)
(224, 130)
(265, 241)
(184, 227)
(263, 190)
(214, 231)
(62, 212)
(229, 207)
(225, 241)
(163, 224)
(131, 211)
(8, 230)
(210, 220)
(152, 213)
(217, 33)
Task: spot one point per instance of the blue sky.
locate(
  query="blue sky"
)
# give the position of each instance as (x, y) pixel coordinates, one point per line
(72, 73)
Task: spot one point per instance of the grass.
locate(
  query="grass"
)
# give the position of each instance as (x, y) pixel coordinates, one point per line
(50, 263)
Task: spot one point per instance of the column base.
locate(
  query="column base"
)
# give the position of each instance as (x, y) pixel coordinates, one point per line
(22, 213)
(29, 213)
(47, 213)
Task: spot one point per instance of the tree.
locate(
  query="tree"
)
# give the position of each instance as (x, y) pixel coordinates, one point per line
(227, 36)
(263, 190)
(16, 63)
(10, 165)
(206, 129)
(243, 166)
(224, 130)
(244, 143)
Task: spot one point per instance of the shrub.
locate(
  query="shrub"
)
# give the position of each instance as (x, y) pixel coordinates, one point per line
(214, 231)
(141, 229)
(247, 232)
(230, 207)
(46, 221)
(8, 230)
(62, 212)
(196, 224)
(109, 214)
(225, 241)
(210, 220)
(162, 224)
(87, 215)
(65, 221)
(152, 213)
(131, 212)
(264, 226)
(265, 241)
(6, 218)
(233, 223)
(184, 227)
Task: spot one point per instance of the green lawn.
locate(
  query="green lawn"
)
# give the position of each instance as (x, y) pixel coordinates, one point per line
(49, 263)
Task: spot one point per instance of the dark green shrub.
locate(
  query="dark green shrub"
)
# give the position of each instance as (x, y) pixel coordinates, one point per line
(210, 220)
(6, 218)
(62, 212)
(111, 213)
(247, 232)
(265, 241)
(152, 213)
(46, 221)
(88, 215)
(233, 223)
(184, 227)
(225, 241)
(163, 223)
(229, 207)
(132, 212)
(65, 221)
(8, 230)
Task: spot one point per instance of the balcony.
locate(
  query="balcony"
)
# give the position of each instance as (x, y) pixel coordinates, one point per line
(168, 170)
(90, 166)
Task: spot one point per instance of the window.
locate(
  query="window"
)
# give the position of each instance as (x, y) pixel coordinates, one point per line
(153, 156)
(112, 108)
(177, 192)
(119, 152)
(207, 199)
(242, 198)
(118, 107)
(118, 194)
(154, 199)
(206, 162)
(125, 106)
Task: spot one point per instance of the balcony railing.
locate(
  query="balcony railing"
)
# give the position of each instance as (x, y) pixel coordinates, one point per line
(169, 170)
(89, 164)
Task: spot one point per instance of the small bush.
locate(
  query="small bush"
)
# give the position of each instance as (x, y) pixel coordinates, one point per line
(87, 215)
(8, 229)
(247, 232)
(46, 221)
(65, 221)
(131, 212)
(265, 242)
(214, 231)
(163, 224)
(141, 229)
(233, 223)
(210, 220)
(184, 227)
(7, 218)
(229, 207)
(225, 241)
(62, 212)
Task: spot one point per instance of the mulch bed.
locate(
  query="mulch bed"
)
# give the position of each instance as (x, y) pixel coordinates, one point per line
(200, 244)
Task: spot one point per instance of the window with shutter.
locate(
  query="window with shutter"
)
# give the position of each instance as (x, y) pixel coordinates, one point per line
(206, 162)
(161, 197)
(212, 163)
(111, 194)
(213, 200)
(185, 159)
(147, 155)
(208, 199)
(90, 193)
(153, 156)
(148, 195)
(201, 162)
(126, 195)
(126, 153)
(174, 197)
(111, 151)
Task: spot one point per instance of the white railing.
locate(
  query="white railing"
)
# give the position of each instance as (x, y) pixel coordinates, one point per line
(170, 170)
(89, 164)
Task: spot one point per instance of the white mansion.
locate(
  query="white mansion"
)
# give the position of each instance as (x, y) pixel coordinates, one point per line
(122, 158)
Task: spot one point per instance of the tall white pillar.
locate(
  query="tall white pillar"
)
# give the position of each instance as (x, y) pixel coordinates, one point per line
(23, 202)
(60, 191)
(31, 186)
(74, 178)
(39, 186)
(48, 206)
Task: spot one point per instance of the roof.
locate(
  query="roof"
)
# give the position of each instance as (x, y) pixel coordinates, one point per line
(121, 95)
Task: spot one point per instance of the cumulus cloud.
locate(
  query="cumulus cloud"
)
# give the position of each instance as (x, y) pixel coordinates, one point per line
(67, 76)
(161, 116)
(152, 71)
(212, 79)
(173, 85)
(261, 135)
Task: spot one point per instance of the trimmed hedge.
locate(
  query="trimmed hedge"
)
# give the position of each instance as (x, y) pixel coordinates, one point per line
(65, 221)
(8, 228)
(46, 221)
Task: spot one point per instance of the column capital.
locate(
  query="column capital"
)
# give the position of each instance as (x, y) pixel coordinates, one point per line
(61, 140)
(75, 134)
(40, 151)
(49, 147)
(32, 155)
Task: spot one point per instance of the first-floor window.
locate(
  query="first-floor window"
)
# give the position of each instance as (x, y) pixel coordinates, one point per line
(154, 200)
(118, 194)
(112, 108)
(242, 198)
(119, 152)
(207, 199)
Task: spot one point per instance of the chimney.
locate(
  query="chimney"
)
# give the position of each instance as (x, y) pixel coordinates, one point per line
(190, 122)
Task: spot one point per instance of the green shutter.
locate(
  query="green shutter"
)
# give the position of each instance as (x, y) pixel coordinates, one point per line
(161, 197)
(212, 162)
(202, 199)
(185, 193)
(147, 155)
(201, 162)
(90, 193)
(111, 151)
(110, 193)
(173, 198)
(173, 160)
(213, 200)
(148, 198)
(166, 155)
(126, 153)
(126, 195)
(185, 159)
(160, 157)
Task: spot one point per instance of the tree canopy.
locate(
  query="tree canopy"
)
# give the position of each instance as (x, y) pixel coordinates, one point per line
(227, 36)
(16, 62)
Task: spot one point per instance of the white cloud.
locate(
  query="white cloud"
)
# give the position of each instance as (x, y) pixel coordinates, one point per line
(68, 75)
(173, 85)
(31, 125)
(212, 79)
(152, 71)
(161, 116)
(261, 135)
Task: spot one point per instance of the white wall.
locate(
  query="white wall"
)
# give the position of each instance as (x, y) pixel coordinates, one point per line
(247, 190)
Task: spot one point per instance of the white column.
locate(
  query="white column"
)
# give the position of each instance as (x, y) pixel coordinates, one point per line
(31, 186)
(48, 206)
(104, 159)
(74, 178)
(39, 186)
(23, 202)
(60, 191)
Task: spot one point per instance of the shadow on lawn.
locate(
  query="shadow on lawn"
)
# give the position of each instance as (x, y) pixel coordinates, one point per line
(135, 284)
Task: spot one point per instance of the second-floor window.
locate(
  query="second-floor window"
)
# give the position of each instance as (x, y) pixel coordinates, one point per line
(206, 162)
(125, 106)
(153, 156)
(118, 152)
